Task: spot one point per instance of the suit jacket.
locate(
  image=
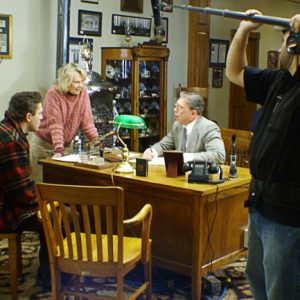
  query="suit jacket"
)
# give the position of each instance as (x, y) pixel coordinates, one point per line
(205, 141)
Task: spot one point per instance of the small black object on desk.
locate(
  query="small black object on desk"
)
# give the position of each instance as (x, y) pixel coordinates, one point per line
(141, 167)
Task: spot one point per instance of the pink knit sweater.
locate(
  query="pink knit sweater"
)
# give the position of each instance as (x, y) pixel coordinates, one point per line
(63, 115)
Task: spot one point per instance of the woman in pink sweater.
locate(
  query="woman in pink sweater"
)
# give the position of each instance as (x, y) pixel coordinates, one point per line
(66, 109)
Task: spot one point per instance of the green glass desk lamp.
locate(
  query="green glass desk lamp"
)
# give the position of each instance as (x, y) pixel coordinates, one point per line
(130, 122)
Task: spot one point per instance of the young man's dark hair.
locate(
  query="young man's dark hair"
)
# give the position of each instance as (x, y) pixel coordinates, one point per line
(22, 103)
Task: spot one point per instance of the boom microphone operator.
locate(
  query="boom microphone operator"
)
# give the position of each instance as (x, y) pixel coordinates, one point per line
(233, 157)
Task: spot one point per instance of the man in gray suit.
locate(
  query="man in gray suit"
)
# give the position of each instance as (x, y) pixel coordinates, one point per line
(198, 137)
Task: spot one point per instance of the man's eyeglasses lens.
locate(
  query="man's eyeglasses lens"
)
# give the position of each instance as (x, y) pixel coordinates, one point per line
(179, 107)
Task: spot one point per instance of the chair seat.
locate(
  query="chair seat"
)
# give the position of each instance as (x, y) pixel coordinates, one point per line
(131, 246)
(85, 267)
(85, 237)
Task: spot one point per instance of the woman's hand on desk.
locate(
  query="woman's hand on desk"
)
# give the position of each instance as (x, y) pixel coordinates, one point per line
(150, 153)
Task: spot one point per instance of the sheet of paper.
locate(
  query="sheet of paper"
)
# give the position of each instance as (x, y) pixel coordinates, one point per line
(158, 161)
(68, 158)
(131, 155)
(74, 158)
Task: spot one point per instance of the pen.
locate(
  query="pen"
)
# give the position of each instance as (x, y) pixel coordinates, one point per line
(150, 147)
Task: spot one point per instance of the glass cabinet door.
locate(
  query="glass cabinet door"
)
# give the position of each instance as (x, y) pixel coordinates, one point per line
(140, 74)
(119, 72)
(149, 102)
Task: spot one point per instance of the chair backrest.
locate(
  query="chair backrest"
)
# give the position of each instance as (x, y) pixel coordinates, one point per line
(243, 142)
(92, 212)
(202, 91)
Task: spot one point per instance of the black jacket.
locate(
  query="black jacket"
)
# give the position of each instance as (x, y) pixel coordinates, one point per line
(274, 161)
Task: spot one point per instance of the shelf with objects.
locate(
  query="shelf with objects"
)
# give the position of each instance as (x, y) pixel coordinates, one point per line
(140, 74)
(101, 94)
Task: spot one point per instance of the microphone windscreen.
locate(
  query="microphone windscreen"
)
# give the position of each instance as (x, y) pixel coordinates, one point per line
(233, 138)
(156, 12)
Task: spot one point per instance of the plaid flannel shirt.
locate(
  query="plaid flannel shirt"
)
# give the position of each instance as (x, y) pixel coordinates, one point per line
(17, 199)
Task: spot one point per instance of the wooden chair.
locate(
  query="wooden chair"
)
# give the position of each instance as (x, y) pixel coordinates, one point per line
(95, 246)
(242, 145)
(14, 267)
(202, 91)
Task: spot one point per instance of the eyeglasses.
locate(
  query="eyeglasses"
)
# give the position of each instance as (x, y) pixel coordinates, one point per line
(179, 107)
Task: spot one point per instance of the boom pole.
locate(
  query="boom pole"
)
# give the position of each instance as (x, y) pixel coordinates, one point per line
(234, 14)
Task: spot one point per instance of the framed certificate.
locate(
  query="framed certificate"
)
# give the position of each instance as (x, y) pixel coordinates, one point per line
(174, 163)
(5, 36)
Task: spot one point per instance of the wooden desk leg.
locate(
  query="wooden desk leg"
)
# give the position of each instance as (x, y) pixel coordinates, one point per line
(197, 256)
(196, 282)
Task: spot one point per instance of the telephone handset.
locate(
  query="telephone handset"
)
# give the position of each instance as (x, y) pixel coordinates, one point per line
(202, 171)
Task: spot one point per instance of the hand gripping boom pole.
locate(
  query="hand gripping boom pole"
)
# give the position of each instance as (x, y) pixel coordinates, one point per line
(234, 14)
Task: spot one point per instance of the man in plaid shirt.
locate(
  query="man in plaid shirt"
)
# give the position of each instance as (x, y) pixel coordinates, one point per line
(18, 204)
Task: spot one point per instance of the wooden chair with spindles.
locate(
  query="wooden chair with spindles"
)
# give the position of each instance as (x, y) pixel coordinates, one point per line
(14, 266)
(94, 245)
(242, 145)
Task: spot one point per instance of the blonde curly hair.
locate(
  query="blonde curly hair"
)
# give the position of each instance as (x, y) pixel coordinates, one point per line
(66, 75)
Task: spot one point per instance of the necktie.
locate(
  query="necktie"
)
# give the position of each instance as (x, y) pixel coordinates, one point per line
(184, 140)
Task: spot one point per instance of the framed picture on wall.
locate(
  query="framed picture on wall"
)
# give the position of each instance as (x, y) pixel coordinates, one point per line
(135, 26)
(5, 36)
(89, 22)
(218, 53)
(132, 5)
(165, 23)
(75, 46)
(217, 77)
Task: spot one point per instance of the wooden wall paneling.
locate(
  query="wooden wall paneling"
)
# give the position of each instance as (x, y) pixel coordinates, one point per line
(241, 111)
(198, 50)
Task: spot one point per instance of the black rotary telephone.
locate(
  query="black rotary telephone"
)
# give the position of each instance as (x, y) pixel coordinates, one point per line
(202, 171)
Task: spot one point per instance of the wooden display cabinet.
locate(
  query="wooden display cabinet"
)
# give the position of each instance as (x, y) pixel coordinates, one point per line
(140, 73)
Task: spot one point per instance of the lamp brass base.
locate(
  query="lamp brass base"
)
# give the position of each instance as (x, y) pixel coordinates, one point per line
(124, 167)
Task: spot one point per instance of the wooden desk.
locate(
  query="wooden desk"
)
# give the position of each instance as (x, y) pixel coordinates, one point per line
(184, 214)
